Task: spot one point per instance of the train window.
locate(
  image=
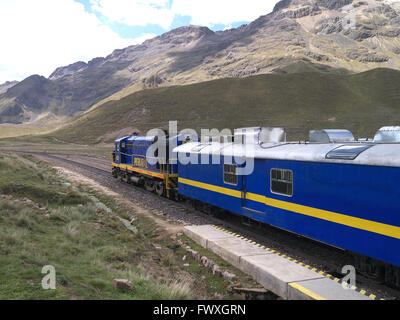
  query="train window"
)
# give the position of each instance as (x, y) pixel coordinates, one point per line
(282, 182)
(347, 152)
(230, 176)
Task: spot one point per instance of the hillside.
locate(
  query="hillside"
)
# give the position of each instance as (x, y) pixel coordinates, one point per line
(7, 85)
(308, 31)
(300, 102)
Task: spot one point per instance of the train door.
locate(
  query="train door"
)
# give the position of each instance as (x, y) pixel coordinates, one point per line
(116, 154)
(245, 201)
(253, 192)
(123, 152)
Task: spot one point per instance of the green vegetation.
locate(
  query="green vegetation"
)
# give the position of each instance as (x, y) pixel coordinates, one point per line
(42, 124)
(45, 220)
(21, 178)
(52, 145)
(299, 102)
(71, 228)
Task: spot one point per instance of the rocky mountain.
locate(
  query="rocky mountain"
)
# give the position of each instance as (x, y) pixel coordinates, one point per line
(68, 70)
(7, 85)
(335, 36)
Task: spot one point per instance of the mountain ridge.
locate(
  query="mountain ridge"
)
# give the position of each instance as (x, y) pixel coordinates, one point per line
(296, 32)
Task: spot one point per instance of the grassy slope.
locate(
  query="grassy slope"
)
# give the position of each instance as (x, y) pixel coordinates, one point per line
(300, 102)
(88, 246)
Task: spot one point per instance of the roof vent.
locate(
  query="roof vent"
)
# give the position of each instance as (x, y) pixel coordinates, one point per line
(388, 134)
(331, 136)
(259, 135)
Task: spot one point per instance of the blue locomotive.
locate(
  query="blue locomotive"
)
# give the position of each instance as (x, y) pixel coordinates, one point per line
(135, 161)
(333, 188)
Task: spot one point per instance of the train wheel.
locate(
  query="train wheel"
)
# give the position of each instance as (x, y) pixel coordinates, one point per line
(392, 276)
(126, 178)
(115, 173)
(149, 185)
(160, 189)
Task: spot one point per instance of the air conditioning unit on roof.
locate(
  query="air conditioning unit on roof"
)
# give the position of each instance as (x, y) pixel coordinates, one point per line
(259, 135)
(331, 136)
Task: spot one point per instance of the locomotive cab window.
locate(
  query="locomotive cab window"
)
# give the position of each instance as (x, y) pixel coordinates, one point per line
(230, 176)
(282, 182)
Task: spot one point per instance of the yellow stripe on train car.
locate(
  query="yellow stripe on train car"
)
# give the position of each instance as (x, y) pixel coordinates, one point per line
(358, 223)
(146, 172)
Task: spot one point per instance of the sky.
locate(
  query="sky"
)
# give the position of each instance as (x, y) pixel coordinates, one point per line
(38, 36)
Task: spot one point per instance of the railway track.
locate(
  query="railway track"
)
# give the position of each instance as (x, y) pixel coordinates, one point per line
(310, 252)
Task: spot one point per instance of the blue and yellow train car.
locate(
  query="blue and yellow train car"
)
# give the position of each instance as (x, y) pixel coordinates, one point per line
(334, 189)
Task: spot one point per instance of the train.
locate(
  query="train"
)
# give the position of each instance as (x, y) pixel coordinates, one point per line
(332, 188)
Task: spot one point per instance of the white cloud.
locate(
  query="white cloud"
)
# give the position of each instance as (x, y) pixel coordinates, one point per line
(211, 12)
(203, 12)
(135, 12)
(38, 36)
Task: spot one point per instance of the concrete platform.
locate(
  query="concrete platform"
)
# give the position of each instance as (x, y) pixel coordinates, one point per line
(203, 234)
(322, 289)
(275, 273)
(233, 250)
(281, 276)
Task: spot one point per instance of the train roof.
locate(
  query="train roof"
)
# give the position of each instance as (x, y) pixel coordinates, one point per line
(121, 139)
(362, 153)
(149, 139)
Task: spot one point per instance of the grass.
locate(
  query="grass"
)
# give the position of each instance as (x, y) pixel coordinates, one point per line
(72, 230)
(300, 102)
(88, 248)
(43, 123)
(52, 145)
(21, 177)
(202, 275)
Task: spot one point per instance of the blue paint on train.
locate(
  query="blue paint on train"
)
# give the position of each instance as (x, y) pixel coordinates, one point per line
(352, 190)
(343, 194)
